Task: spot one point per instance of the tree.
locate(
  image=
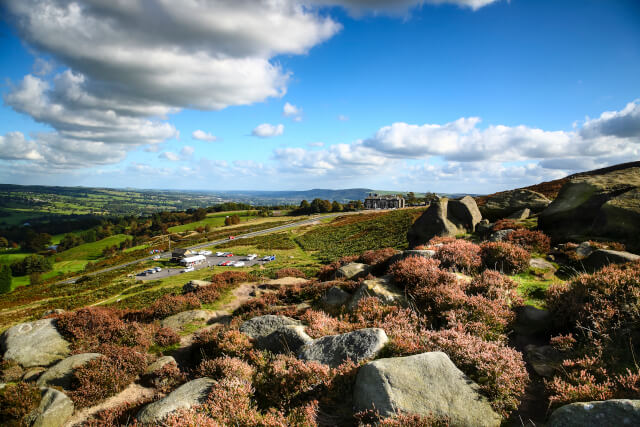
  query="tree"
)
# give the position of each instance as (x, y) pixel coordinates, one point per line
(431, 197)
(336, 206)
(36, 242)
(5, 279)
(305, 207)
(411, 198)
(4, 243)
(199, 214)
(31, 264)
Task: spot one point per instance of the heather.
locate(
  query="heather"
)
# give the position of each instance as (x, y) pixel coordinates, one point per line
(16, 402)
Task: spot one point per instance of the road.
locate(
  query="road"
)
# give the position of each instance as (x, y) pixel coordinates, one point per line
(206, 244)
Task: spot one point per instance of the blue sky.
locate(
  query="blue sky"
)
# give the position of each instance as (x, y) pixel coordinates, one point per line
(436, 95)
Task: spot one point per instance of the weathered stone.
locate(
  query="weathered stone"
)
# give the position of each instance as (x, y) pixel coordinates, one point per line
(531, 320)
(180, 320)
(335, 349)
(584, 249)
(614, 412)
(160, 363)
(520, 215)
(541, 264)
(464, 213)
(54, 410)
(33, 374)
(433, 222)
(60, 374)
(500, 235)
(34, 343)
(602, 257)
(184, 397)
(501, 205)
(51, 312)
(352, 271)
(334, 299)
(484, 228)
(424, 253)
(194, 285)
(381, 288)
(427, 383)
(285, 339)
(601, 203)
(261, 326)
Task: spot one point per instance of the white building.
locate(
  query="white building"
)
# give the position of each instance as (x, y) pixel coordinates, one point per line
(190, 261)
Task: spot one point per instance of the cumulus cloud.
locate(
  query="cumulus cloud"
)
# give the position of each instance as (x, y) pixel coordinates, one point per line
(201, 135)
(187, 151)
(397, 6)
(620, 124)
(14, 146)
(267, 130)
(168, 155)
(290, 110)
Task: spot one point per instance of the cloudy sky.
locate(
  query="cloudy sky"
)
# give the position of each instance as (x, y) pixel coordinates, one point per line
(423, 95)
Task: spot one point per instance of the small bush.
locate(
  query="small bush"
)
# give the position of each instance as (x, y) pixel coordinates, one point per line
(532, 241)
(459, 255)
(506, 224)
(16, 402)
(165, 337)
(219, 343)
(373, 418)
(226, 367)
(166, 378)
(415, 272)
(328, 272)
(290, 272)
(168, 305)
(492, 284)
(504, 256)
(10, 371)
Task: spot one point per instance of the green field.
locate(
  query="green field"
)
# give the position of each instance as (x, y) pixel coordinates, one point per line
(90, 251)
(214, 220)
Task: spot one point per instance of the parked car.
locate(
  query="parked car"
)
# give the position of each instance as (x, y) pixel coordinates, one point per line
(232, 237)
(228, 254)
(220, 253)
(205, 253)
(268, 258)
(238, 264)
(188, 269)
(158, 269)
(222, 263)
(157, 257)
(250, 257)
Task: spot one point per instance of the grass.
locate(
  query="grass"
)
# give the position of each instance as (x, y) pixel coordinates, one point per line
(214, 220)
(533, 288)
(90, 251)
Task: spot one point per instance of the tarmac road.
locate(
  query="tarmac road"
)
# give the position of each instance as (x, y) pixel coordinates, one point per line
(167, 255)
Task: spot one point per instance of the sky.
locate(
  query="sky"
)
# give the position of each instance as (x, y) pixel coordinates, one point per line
(468, 96)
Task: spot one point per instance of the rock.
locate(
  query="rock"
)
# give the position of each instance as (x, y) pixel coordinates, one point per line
(483, 228)
(352, 271)
(334, 299)
(160, 363)
(54, 410)
(34, 343)
(194, 285)
(464, 213)
(52, 312)
(543, 359)
(501, 205)
(180, 320)
(500, 235)
(335, 349)
(381, 288)
(603, 257)
(33, 374)
(602, 203)
(520, 215)
(285, 339)
(433, 222)
(427, 383)
(184, 397)
(542, 268)
(425, 253)
(261, 326)
(532, 321)
(614, 412)
(59, 375)
(584, 249)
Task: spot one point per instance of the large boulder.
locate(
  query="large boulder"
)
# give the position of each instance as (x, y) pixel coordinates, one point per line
(427, 383)
(520, 215)
(506, 203)
(34, 343)
(424, 253)
(60, 374)
(614, 412)
(262, 326)
(605, 204)
(380, 287)
(285, 339)
(602, 257)
(184, 397)
(352, 271)
(54, 410)
(334, 300)
(464, 213)
(435, 221)
(333, 350)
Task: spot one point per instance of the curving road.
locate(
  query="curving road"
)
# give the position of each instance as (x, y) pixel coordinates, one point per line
(207, 244)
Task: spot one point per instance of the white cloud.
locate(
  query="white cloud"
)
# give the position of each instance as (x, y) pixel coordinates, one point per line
(398, 6)
(204, 136)
(290, 110)
(13, 146)
(168, 155)
(267, 130)
(187, 151)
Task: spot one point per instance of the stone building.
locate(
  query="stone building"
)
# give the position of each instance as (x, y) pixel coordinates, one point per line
(375, 201)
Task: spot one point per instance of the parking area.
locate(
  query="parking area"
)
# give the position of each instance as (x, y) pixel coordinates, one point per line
(211, 261)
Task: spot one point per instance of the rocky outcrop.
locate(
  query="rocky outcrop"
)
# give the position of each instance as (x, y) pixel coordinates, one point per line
(194, 285)
(184, 397)
(160, 363)
(614, 412)
(54, 410)
(500, 235)
(380, 287)
(445, 218)
(60, 374)
(603, 205)
(506, 203)
(285, 339)
(602, 257)
(520, 215)
(427, 383)
(334, 300)
(262, 326)
(333, 350)
(34, 344)
(424, 253)
(180, 320)
(352, 271)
